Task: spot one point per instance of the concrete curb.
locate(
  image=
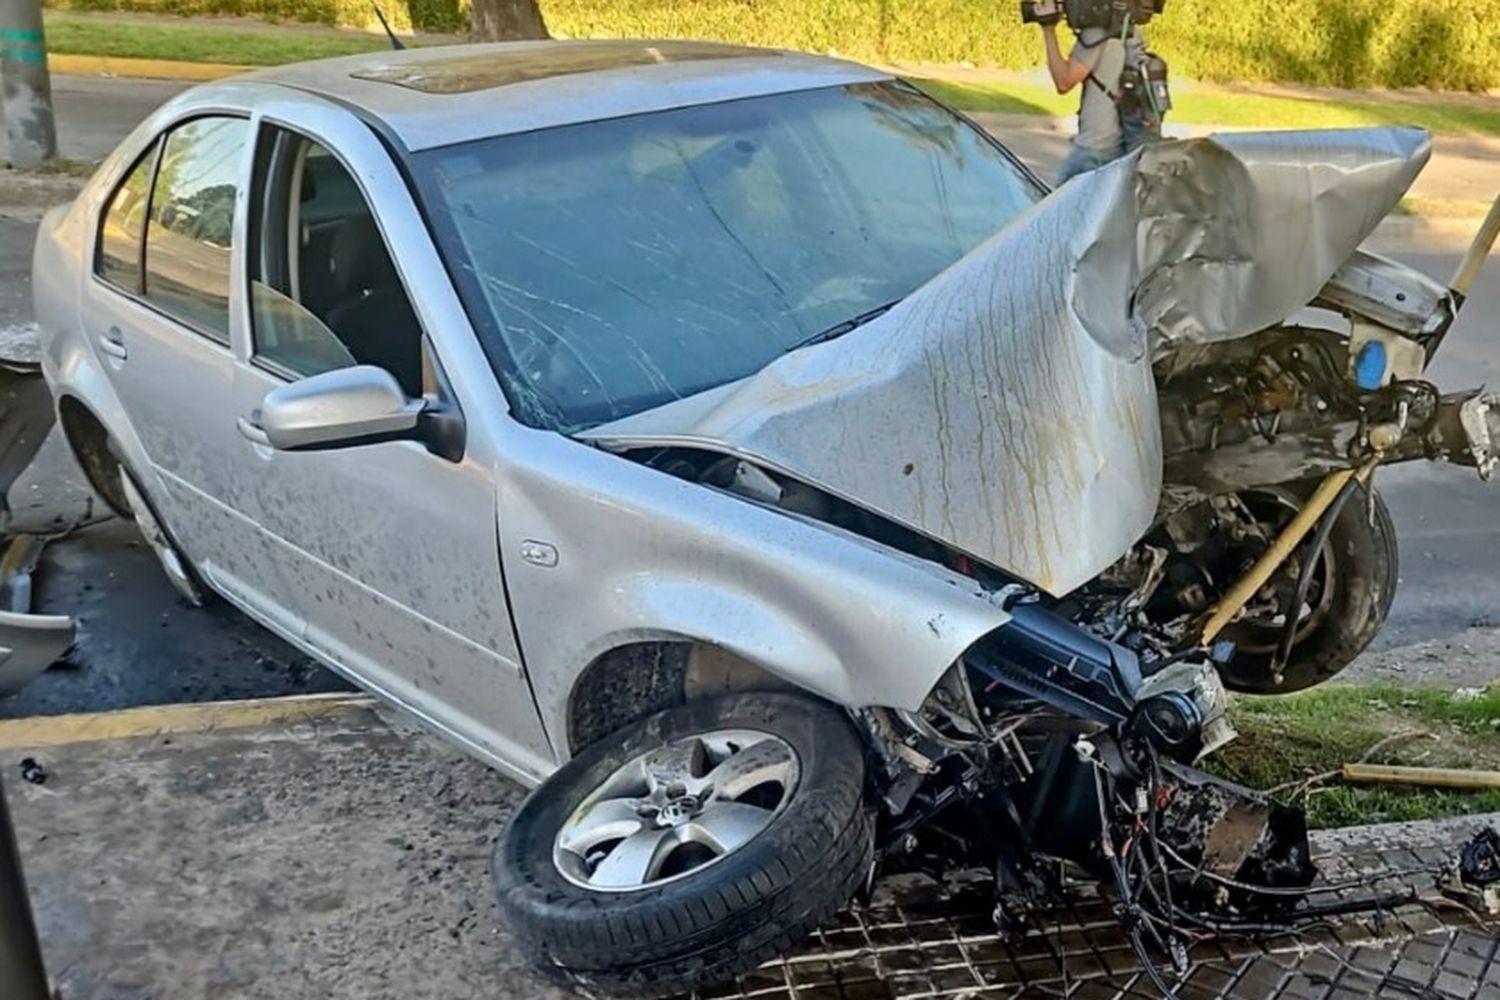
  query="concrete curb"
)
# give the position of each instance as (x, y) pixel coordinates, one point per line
(1446, 228)
(153, 69)
(36, 732)
(20, 190)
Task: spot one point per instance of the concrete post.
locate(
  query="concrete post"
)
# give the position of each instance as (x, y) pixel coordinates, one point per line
(25, 88)
(21, 972)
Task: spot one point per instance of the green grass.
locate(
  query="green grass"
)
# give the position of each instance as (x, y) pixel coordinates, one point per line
(1431, 207)
(139, 40)
(1203, 106)
(1290, 739)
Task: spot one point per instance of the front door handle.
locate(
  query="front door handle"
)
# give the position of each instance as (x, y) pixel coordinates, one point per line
(250, 429)
(112, 342)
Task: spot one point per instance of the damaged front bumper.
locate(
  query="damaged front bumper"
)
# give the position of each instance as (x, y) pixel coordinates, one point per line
(28, 645)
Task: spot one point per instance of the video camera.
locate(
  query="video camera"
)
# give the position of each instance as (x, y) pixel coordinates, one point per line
(1110, 15)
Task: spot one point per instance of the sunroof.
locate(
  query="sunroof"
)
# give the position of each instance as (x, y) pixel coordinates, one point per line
(466, 73)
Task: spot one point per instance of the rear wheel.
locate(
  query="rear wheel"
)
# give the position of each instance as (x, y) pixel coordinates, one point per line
(689, 847)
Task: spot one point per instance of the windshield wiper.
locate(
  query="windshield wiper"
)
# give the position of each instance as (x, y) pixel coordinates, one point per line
(839, 329)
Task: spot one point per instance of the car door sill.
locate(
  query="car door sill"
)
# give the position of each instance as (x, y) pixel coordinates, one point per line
(298, 639)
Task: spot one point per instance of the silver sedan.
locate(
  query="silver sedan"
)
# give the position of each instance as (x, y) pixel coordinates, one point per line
(741, 446)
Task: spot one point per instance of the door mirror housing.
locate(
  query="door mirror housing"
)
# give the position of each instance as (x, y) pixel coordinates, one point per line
(340, 409)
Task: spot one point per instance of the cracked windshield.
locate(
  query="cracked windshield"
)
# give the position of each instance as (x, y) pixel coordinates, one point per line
(754, 227)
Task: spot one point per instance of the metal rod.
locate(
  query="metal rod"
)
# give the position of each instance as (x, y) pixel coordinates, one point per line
(1305, 579)
(25, 87)
(1479, 251)
(22, 975)
(1286, 543)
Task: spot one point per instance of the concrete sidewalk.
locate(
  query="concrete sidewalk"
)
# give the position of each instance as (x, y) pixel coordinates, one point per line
(304, 848)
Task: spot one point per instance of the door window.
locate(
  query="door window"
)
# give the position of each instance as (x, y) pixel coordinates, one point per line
(324, 291)
(118, 259)
(190, 233)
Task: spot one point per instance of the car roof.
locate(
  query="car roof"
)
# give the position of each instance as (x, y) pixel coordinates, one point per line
(441, 95)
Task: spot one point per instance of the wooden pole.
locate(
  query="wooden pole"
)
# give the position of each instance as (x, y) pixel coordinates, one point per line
(1430, 777)
(1479, 251)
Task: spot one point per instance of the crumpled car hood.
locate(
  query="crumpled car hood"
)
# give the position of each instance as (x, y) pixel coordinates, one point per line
(1007, 407)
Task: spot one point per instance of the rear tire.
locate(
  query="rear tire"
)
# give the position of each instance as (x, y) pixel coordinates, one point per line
(674, 933)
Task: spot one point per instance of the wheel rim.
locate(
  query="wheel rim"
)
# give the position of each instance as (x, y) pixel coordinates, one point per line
(675, 810)
(1261, 633)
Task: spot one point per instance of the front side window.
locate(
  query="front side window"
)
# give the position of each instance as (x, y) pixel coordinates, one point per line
(618, 265)
(190, 232)
(118, 259)
(324, 290)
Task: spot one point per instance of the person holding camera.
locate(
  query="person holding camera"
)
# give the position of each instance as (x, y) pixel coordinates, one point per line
(1106, 64)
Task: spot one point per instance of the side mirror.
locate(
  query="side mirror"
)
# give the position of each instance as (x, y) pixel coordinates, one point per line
(337, 409)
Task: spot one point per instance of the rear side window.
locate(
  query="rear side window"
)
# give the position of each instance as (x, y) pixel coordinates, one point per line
(119, 256)
(191, 222)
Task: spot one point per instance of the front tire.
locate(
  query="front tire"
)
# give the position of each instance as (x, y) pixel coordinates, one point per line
(617, 874)
(1360, 592)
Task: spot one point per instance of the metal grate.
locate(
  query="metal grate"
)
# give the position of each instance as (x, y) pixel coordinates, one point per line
(917, 942)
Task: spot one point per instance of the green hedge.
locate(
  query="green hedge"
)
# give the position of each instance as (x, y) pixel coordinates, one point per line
(1442, 44)
(424, 15)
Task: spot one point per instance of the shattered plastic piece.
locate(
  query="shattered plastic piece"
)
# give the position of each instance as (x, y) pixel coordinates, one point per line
(1017, 385)
(1476, 883)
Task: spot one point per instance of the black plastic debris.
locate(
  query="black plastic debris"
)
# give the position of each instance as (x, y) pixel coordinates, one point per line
(1479, 864)
(33, 771)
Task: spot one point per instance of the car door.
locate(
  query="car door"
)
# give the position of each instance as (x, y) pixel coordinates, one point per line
(160, 309)
(389, 550)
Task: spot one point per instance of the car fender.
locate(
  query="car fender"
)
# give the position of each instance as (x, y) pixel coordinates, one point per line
(600, 551)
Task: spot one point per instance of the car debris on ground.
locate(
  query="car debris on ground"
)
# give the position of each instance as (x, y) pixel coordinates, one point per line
(28, 643)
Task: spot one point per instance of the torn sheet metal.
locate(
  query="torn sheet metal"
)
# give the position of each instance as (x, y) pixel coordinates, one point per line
(1391, 294)
(1007, 407)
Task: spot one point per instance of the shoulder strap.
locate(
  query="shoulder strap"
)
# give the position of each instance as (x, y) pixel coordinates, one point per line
(1125, 58)
(1100, 84)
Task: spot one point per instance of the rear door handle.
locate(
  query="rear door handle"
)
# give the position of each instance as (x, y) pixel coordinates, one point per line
(112, 342)
(250, 429)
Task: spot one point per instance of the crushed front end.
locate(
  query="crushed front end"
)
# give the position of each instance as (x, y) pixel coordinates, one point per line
(1063, 762)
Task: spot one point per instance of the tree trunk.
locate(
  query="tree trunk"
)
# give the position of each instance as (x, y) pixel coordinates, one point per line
(506, 20)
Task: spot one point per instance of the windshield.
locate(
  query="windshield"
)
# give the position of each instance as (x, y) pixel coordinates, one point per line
(615, 266)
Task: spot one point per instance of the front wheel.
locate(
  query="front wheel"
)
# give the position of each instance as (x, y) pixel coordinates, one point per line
(691, 846)
(1352, 587)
